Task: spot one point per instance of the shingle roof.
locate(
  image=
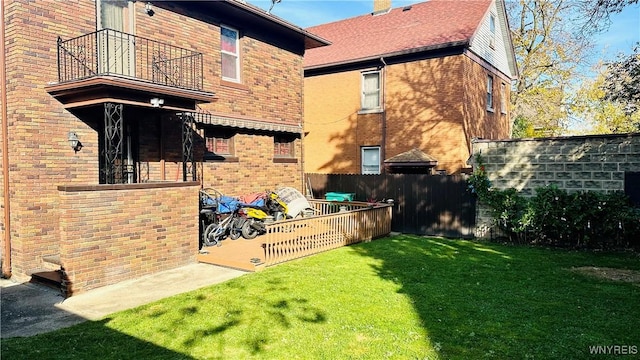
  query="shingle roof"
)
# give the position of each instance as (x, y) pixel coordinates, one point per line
(431, 24)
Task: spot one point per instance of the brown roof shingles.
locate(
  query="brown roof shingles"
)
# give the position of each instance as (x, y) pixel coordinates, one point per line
(431, 24)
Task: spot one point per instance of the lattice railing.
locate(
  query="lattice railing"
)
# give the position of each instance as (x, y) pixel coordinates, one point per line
(337, 224)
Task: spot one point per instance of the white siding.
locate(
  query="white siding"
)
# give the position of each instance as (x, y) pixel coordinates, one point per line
(496, 56)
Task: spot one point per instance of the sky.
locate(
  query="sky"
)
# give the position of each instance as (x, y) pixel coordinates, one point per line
(622, 34)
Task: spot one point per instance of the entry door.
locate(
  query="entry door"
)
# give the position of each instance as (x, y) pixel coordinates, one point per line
(116, 46)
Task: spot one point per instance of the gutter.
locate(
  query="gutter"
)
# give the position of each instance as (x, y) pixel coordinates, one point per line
(268, 16)
(454, 44)
(6, 251)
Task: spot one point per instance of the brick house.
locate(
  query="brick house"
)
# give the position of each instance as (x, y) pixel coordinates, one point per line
(405, 90)
(115, 113)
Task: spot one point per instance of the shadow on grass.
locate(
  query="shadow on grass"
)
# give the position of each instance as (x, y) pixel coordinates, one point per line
(487, 301)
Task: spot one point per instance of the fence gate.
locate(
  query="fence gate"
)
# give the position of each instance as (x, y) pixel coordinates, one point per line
(437, 205)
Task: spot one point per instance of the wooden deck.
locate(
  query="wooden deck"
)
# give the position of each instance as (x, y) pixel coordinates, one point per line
(241, 254)
(335, 225)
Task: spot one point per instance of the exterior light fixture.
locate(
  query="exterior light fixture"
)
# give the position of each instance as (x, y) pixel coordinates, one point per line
(75, 143)
(148, 9)
(156, 102)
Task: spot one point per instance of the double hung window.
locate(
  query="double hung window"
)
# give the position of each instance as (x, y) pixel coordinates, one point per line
(371, 90)
(371, 160)
(490, 92)
(230, 54)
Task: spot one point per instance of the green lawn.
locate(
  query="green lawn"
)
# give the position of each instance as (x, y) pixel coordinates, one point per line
(405, 297)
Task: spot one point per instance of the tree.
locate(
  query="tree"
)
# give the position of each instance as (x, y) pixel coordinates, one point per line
(600, 115)
(622, 82)
(599, 11)
(548, 51)
(552, 42)
(609, 102)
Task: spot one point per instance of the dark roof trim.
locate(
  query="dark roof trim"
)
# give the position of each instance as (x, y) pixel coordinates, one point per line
(434, 51)
(311, 40)
(246, 16)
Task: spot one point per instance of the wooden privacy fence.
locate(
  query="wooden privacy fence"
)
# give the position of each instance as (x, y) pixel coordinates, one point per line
(336, 225)
(439, 205)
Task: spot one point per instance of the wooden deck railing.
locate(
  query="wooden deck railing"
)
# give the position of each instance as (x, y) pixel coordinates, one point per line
(336, 224)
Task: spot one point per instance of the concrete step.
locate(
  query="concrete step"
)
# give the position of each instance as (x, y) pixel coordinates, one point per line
(52, 262)
(51, 278)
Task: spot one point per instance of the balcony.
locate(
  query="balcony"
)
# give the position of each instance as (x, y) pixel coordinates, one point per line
(109, 64)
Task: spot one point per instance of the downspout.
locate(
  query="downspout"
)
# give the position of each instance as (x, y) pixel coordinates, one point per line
(383, 119)
(6, 252)
(304, 179)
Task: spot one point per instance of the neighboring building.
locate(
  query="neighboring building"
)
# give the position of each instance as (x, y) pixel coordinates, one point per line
(115, 113)
(407, 89)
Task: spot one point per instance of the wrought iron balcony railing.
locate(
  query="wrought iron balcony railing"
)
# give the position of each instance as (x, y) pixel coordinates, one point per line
(111, 52)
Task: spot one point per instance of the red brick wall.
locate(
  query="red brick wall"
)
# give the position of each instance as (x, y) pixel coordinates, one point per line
(124, 232)
(255, 170)
(40, 156)
(435, 105)
(270, 89)
(271, 78)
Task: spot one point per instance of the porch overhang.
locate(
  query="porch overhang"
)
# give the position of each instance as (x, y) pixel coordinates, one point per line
(101, 89)
(202, 118)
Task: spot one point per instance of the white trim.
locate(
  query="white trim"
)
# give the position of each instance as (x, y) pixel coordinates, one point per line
(362, 165)
(236, 55)
(362, 91)
(490, 93)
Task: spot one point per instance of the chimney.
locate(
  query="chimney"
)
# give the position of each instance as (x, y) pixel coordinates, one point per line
(381, 6)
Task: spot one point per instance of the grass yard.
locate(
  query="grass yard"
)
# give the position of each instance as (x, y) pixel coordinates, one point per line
(404, 297)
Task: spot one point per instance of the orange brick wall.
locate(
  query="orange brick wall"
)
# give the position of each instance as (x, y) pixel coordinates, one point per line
(121, 233)
(435, 105)
(331, 105)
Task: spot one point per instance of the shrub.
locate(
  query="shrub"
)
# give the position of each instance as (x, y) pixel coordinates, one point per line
(554, 217)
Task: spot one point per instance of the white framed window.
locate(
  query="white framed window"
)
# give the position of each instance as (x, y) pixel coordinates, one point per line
(230, 54)
(371, 90)
(490, 92)
(492, 31)
(503, 98)
(371, 160)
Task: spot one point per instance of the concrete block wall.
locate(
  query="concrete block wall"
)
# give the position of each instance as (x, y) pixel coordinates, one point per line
(578, 163)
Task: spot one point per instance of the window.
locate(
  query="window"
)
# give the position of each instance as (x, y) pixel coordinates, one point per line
(283, 147)
(490, 93)
(371, 90)
(503, 98)
(492, 31)
(229, 54)
(219, 144)
(371, 160)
